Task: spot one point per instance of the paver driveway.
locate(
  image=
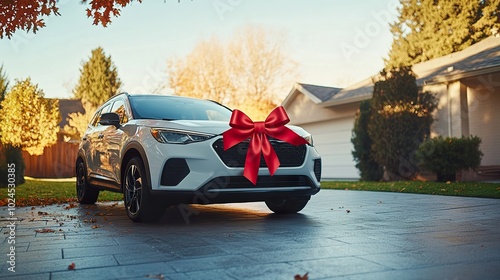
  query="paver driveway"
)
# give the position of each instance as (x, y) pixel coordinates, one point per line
(339, 235)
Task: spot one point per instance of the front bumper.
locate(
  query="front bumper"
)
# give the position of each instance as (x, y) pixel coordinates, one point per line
(210, 180)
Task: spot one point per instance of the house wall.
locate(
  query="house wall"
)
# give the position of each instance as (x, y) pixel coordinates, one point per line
(451, 116)
(441, 122)
(470, 107)
(484, 120)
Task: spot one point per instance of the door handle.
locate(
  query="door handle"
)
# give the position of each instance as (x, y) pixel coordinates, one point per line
(100, 136)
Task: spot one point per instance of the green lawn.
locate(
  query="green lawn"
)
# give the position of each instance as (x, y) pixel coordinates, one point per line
(39, 192)
(474, 189)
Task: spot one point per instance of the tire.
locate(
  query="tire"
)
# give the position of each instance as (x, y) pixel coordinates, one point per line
(287, 206)
(85, 193)
(139, 204)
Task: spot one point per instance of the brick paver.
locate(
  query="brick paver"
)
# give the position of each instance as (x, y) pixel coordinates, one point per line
(339, 235)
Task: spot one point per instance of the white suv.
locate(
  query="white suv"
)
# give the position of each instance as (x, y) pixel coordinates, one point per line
(161, 150)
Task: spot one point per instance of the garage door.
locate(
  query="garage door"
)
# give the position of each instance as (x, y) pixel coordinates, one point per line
(332, 139)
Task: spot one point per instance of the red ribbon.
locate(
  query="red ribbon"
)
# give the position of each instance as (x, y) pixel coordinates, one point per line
(242, 128)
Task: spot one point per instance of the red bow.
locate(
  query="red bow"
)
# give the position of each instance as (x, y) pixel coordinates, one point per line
(242, 128)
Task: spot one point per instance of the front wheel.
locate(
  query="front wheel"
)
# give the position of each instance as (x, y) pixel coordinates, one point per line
(139, 204)
(287, 206)
(85, 193)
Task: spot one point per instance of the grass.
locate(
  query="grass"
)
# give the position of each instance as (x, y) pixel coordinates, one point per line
(41, 192)
(471, 189)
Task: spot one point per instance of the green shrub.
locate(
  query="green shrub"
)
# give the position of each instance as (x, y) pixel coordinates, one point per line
(400, 121)
(369, 169)
(9, 155)
(446, 156)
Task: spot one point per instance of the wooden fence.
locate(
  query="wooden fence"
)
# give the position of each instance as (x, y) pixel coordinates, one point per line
(57, 161)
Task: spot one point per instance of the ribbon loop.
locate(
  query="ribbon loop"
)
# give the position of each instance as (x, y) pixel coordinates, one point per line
(242, 128)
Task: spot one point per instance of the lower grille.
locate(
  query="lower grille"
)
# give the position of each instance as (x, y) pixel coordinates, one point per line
(174, 171)
(317, 169)
(288, 154)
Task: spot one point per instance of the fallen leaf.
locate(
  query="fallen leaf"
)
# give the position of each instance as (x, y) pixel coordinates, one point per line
(71, 205)
(304, 277)
(40, 213)
(71, 266)
(95, 226)
(44, 230)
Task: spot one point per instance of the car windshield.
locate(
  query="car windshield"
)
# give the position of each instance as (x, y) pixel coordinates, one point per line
(164, 107)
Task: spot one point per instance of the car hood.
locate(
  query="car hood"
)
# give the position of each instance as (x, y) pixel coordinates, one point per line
(210, 127)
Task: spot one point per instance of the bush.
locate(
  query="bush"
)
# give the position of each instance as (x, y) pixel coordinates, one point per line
(369, 169)
(400, 122)
(446, 156)
(8, 155)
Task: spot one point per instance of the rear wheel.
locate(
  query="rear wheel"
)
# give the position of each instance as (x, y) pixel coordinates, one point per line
(85, 193)
(139, 204)
(288, 205)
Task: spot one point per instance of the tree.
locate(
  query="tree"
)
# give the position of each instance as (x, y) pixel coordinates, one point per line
(28, 14)
(98, 79)
(426, 29)
(244, 73)
(78, 122)
(28, 120)
(4, 84)
(400, 122)
(8, 154)
(369, 169)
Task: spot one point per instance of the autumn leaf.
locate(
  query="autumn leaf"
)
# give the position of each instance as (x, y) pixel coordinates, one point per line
(71, 205)
(298, 277)
(71, 266)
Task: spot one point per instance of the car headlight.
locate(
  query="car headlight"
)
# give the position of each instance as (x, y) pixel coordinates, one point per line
(309, 139)
(170, 136)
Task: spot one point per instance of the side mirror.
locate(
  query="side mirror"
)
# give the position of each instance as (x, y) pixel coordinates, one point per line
(110, 119)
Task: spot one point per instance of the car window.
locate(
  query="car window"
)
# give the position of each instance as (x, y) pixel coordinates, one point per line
(93, 122)
(177, 108)
(104, 109)
(119, 108)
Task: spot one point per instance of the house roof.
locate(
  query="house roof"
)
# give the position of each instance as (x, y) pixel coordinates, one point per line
(68, 106)
(480, 58)
(318, 94)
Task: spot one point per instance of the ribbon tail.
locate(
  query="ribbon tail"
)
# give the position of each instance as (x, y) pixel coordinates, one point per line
(252, 161)
(272, 160)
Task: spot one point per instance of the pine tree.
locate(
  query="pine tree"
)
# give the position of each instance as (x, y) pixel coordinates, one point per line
(98, 79)
(28, 120)
(400, 122)
(427, 29)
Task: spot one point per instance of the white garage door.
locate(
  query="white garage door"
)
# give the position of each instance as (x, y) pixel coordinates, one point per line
(332, 139)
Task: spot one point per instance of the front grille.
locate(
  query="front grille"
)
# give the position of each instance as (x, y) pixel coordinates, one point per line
(288, 154)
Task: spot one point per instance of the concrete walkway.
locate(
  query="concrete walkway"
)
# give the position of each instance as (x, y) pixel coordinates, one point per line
(339, 235)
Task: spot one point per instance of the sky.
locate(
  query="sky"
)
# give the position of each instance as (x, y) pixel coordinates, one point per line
(334, 42)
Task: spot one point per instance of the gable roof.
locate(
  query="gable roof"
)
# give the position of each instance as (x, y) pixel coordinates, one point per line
(317, 94)
(480, 58)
